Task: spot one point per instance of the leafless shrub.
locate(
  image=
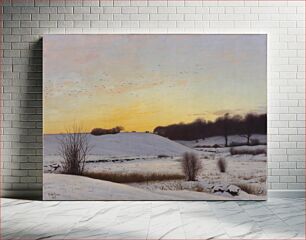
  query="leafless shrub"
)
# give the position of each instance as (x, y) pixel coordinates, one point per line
(74, 149)
(222, 165)
(191, 166)
(119, 177)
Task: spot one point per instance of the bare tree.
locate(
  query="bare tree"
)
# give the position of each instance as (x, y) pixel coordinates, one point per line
(249, 126)
(226, 128)
(191, 166)
(74, 149)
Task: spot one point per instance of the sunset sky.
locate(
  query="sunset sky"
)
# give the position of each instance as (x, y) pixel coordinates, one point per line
(144, 81)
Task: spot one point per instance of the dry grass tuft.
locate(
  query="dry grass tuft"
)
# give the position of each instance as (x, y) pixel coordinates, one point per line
(132, 177)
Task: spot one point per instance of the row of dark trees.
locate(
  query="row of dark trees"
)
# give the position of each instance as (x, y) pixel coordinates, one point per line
(223, 126)
(102, 131)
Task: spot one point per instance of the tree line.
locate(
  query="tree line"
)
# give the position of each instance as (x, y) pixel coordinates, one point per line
(225, 126)
(103, 131)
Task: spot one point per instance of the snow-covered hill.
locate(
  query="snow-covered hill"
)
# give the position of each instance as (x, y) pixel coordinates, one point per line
(124, 144)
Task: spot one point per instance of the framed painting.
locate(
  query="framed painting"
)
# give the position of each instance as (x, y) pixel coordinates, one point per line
(155, 117)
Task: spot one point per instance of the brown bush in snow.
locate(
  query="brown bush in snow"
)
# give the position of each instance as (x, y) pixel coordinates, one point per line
(74, 149)
(222, 165)
(191, 166)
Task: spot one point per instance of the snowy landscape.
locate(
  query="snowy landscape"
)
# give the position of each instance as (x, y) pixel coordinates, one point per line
(147, 153)
(155, 117)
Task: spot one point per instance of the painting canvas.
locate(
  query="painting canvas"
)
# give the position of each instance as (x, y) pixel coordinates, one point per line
(155, 117)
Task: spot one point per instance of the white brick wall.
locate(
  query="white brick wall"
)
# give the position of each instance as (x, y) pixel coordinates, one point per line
(25, 21)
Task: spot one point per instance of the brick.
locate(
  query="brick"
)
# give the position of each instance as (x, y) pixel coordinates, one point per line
(121, 17)
(81, 9)
(74, 3)
(229, 17)
(166, 10)
(130, 10)
(10, 179)
(75, 16)
(96, 10)
(90, 3)
(148, 24)
(42, 3)
(278, 186)
(29, 10)
(231, 3)
(185, 9)
(160, 17)
(47, 24)
(147, 9)
(112, 10)
(105, 17)
(64, 24)
(190, 17)
(21, 16)
(19, 173)
(40, 16)
(195, 3)
(98, 24)
(113, 24)
(21, 31)
(130, 24)
(60, 3)
(176, 17)
(202, 10)
(62, 10)
(25, 3)
(106, 2)
(27, 179)
(48, 10)
(216, 10)
(288, 179)
(300, 179)
(157, 3)
(57, 17)
(273, 179)
(142, 16)
(138, 3)
(267, 10)
(167, 24)
(296, 186)
(91, 16)
(222, 24)
(287, 165)
(82, 24)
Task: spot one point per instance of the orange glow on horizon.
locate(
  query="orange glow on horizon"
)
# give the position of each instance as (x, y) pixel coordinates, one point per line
(141, 82)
